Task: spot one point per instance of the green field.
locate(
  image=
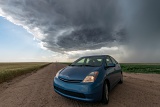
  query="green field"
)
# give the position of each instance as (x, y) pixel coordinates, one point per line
(10, 70)
(138, 67)
(141, 67)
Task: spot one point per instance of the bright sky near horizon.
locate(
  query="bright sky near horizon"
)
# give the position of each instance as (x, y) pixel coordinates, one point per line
(64, 30)
(17, 45)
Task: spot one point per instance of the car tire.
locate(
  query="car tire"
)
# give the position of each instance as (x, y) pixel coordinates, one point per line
(105, 96)
(121, 80)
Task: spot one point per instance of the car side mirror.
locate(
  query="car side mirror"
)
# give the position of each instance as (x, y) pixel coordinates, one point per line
(111, 65)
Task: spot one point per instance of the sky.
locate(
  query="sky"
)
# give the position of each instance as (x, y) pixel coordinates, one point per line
(64, 30)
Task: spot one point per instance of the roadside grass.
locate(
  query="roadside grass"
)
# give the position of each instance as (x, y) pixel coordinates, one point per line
(9, 71)
(137, 67)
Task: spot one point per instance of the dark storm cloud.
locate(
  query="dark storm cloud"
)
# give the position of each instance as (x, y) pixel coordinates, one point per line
(85, 38)
(142, 18)
(68, 24)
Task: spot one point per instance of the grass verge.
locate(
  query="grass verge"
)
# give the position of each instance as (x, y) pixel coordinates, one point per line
(9, 71)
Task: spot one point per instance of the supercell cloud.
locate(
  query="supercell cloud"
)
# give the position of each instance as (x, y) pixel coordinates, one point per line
(66, 26)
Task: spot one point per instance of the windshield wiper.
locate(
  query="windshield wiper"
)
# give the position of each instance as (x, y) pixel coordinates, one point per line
(72, 65)
(75, 65)
(90, 65)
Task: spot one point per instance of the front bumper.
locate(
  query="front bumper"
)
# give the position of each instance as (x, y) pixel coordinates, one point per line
(78, 91)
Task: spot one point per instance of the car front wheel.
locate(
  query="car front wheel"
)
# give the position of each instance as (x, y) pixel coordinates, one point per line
(105, 96)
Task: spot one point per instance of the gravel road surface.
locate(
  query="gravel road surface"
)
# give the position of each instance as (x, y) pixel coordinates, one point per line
(36, 90)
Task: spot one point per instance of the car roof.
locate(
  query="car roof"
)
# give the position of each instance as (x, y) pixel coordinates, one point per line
(96, 55)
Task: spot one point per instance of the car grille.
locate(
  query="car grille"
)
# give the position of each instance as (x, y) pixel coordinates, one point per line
(72, 81)
(74, 94)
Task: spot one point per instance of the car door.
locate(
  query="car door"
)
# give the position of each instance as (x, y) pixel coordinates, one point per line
(110, 72)
(117, 69)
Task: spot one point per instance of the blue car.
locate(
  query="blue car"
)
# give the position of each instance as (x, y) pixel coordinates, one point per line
(89, 78)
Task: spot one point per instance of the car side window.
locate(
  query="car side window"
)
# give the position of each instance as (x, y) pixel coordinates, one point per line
(80, 62)
(108, 60)
(114, 61)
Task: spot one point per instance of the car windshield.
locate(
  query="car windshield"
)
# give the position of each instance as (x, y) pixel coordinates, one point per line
(88, 61)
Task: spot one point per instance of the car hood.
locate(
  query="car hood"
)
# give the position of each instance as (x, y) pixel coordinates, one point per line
(76, 72)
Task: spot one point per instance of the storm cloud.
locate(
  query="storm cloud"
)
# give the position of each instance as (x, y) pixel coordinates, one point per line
(66, 25)
(142, 19)
(74, 25)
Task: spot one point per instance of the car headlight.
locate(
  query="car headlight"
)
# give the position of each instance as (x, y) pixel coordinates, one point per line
(58, 73)
(91, 77)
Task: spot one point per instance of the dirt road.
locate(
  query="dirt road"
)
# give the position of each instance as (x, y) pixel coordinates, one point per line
(36, 90)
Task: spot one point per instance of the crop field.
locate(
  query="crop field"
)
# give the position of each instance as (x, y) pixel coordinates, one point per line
(141, 68)
(138, 67)
(10, 70)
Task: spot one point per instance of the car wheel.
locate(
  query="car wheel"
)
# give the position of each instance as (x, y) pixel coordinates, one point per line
(121, 80)
(105, 97)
